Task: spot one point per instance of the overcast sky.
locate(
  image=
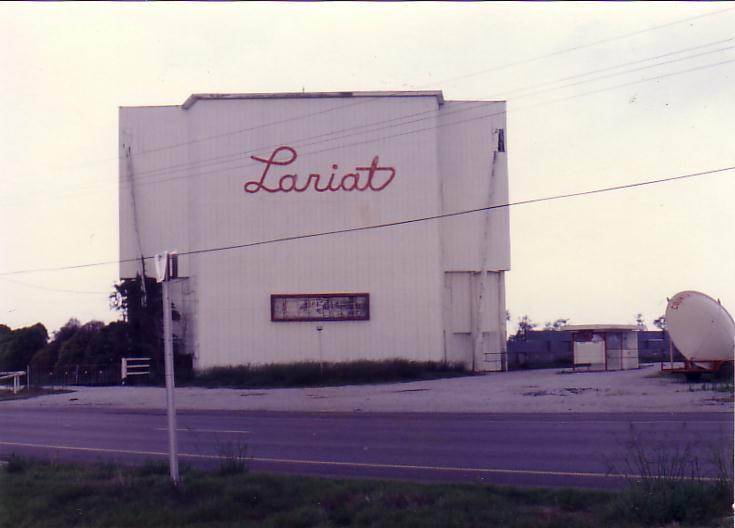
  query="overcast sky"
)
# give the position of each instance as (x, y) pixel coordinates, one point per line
(579, 118)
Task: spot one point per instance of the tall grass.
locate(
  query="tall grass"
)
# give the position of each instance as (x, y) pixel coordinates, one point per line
(672, 484)
(310, 374)
(234, 458)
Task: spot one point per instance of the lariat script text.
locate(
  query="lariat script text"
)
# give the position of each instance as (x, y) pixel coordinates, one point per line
(373, 177)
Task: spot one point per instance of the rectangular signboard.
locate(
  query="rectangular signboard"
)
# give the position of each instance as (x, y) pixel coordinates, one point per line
(320, 307)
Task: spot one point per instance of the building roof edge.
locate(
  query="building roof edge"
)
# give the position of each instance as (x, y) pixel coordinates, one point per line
(193, 98)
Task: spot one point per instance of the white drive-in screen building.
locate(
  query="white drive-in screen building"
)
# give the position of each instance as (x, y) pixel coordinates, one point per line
(280, 207)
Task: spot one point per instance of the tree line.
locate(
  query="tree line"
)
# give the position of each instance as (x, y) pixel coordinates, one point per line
(94, 344)
(525, 324)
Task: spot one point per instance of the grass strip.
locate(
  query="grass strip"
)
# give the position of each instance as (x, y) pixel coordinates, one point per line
(51, 495)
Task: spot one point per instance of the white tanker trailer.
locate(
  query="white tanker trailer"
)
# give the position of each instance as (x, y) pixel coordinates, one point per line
(703, 331)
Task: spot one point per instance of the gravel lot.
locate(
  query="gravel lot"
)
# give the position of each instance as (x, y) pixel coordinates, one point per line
(549, 390)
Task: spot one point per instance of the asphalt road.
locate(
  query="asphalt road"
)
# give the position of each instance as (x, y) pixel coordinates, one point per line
(520, 449)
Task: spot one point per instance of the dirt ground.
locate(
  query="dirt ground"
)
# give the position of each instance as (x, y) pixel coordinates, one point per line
(548, 390)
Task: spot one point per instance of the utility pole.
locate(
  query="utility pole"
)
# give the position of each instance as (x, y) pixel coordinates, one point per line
(165, 272)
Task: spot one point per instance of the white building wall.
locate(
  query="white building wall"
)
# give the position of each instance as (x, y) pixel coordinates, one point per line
(470, 139)
(461, 310)
(153, 186)
(196, 201)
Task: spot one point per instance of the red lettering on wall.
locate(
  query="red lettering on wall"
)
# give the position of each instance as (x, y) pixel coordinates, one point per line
(373, 177)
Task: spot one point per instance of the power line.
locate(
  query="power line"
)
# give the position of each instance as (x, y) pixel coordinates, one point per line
(640, 68)
(406, 119)
(390, 224)
(591, 44)
(433, 127)
(236, 157)
(629, 63)
(458, 213)
(481, 72)
(58, 290)
(631, 83)
(483, 116)
(448, 80)
(376, 126)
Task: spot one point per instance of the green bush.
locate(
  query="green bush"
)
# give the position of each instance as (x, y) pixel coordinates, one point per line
(109, 345)
(17, 347)
(93, 344)
(75, 350)
(49, 354)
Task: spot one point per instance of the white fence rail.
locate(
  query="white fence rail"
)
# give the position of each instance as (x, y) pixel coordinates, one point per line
(16, 378)
(134, 366)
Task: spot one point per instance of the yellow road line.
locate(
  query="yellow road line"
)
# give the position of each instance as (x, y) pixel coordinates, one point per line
(368, 465)
(186, 430)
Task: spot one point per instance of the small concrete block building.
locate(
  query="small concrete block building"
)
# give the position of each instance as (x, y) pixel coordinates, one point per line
(604, 347)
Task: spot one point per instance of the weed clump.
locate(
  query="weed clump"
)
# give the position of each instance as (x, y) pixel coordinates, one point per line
(233, 459)
(16, 464)
(669, 483)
